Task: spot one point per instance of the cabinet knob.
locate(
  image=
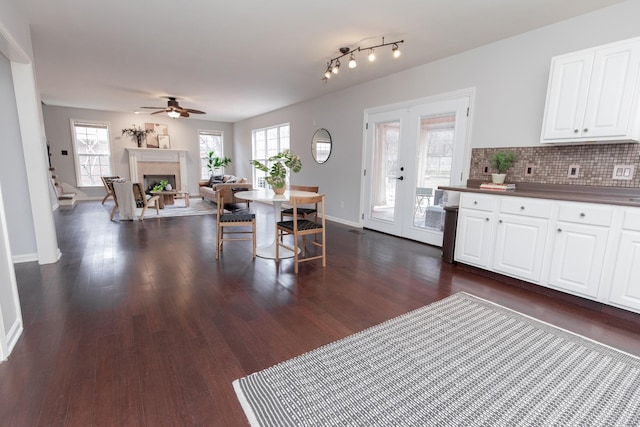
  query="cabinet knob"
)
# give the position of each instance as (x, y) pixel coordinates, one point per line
(486, 219)
(475, 202)
(576, 131)
(500, 221)
(582, 214)
(559, 230)
(585, 130)
(521, 208)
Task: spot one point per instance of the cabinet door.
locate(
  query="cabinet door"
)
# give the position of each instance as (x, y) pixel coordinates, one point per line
(625, 286)
(473, 237)
(577, 258)
(567, 96)
(519, 247)
(612, 91)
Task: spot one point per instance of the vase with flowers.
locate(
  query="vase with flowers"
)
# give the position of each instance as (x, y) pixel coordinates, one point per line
(137, 133)
(276, 168)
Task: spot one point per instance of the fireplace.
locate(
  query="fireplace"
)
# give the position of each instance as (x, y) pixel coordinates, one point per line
(160, 163)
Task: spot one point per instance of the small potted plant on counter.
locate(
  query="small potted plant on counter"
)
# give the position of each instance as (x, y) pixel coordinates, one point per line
(501, 161)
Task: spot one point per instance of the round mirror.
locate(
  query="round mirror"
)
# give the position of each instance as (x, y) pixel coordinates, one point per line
(321, 145)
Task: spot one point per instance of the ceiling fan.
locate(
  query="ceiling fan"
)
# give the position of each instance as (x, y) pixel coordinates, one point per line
(174, 109)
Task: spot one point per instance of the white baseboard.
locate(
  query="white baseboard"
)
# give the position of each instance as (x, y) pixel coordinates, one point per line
(13, 335)
(342, 221)
(17, 259)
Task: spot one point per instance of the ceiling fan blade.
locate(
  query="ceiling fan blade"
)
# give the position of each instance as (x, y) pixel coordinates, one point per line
(194, 111)
(153, 108)
(158, 112)
(184, 114)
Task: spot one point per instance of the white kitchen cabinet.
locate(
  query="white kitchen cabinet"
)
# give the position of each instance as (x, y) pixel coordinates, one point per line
(625, 284)
(579, 248)
(593, 95)
(476, 225)
(521, 234)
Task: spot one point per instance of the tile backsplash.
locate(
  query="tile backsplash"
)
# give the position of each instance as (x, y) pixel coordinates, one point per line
(551, 164)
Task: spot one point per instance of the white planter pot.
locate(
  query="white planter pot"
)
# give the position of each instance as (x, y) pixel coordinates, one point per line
(498, 178)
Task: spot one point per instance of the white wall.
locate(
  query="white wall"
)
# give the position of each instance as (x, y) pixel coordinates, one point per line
(183, 135)
(13, 172)
(510, 78)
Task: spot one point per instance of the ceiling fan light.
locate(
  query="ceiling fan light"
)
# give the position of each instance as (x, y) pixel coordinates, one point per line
(173, 114)
(352, 62)
(372, 56)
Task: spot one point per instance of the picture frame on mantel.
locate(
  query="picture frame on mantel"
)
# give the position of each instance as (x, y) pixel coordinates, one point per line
(164, 141)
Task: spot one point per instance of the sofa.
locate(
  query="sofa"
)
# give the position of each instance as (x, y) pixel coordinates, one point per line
(209, 189)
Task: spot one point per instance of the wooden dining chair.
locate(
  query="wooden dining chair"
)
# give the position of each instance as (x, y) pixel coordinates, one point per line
(301, 228)
(235, 219)
(302, 211)
(107, 181)
(144, 201)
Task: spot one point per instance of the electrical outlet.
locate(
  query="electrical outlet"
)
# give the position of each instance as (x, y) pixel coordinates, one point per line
(574, 171)
(528, 171)
(486, 170)
(623, 172)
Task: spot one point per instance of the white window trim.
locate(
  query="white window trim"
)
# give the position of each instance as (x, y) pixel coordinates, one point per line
(253, 147)
(76, 165)
(201, 160)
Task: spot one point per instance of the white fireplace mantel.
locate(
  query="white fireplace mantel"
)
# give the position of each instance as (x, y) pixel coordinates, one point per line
(141, 155)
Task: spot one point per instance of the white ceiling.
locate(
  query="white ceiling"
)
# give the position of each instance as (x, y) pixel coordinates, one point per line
(236, 59)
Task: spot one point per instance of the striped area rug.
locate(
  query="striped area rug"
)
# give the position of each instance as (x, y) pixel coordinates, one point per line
(460, 361)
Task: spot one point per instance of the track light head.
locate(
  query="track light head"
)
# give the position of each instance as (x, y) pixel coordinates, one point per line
(395, 51)
(352, 62)
(371, 56)
(336, 67)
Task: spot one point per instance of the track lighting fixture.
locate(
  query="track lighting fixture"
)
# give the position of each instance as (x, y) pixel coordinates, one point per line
(333, 66)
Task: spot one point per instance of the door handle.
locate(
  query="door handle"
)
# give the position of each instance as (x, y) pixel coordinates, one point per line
(401, 178)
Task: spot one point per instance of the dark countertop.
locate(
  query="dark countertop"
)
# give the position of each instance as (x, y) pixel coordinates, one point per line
(573, 193)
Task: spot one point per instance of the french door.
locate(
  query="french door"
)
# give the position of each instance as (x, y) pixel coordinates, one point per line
(409, 152)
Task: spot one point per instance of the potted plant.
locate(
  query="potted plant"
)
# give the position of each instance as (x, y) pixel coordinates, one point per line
(276, 168)
(137, 133)
(501, 161)
(214, 162)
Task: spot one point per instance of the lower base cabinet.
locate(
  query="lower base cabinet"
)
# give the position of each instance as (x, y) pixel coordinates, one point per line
(577, 258)
(585, 249)
(625, 282)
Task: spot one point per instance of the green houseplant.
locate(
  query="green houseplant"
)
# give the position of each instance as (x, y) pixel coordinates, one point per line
(215, 162)
(137, 133)
(501, 161)
(276, 168)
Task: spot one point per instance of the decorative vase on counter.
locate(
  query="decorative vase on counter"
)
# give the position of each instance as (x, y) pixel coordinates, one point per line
(498, 178)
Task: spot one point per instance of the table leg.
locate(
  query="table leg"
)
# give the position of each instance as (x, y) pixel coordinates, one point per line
(269, 251)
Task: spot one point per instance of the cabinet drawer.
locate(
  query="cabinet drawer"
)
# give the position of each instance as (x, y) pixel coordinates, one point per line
(526, 207)
(631, 220)
(582, 213)
(477, 202)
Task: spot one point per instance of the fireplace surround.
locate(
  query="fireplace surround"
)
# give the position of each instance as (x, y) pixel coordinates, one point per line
(167, 162)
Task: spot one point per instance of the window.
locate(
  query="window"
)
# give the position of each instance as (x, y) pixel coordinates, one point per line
(268, 142)
(210, 140)
(92, 152)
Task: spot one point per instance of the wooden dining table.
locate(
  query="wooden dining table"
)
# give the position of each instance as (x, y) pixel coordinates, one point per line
(268, 196)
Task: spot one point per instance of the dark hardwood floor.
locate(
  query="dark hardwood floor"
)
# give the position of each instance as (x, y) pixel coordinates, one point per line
(138, 325)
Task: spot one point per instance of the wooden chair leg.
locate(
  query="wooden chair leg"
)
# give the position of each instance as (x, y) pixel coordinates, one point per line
(144, 209)
(113, 212)
(253, 231)
(218, 242)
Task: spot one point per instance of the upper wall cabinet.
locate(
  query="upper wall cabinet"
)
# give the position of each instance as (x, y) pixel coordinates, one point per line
(593, 95)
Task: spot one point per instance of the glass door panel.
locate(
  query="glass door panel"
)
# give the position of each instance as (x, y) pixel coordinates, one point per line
(385, 163)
